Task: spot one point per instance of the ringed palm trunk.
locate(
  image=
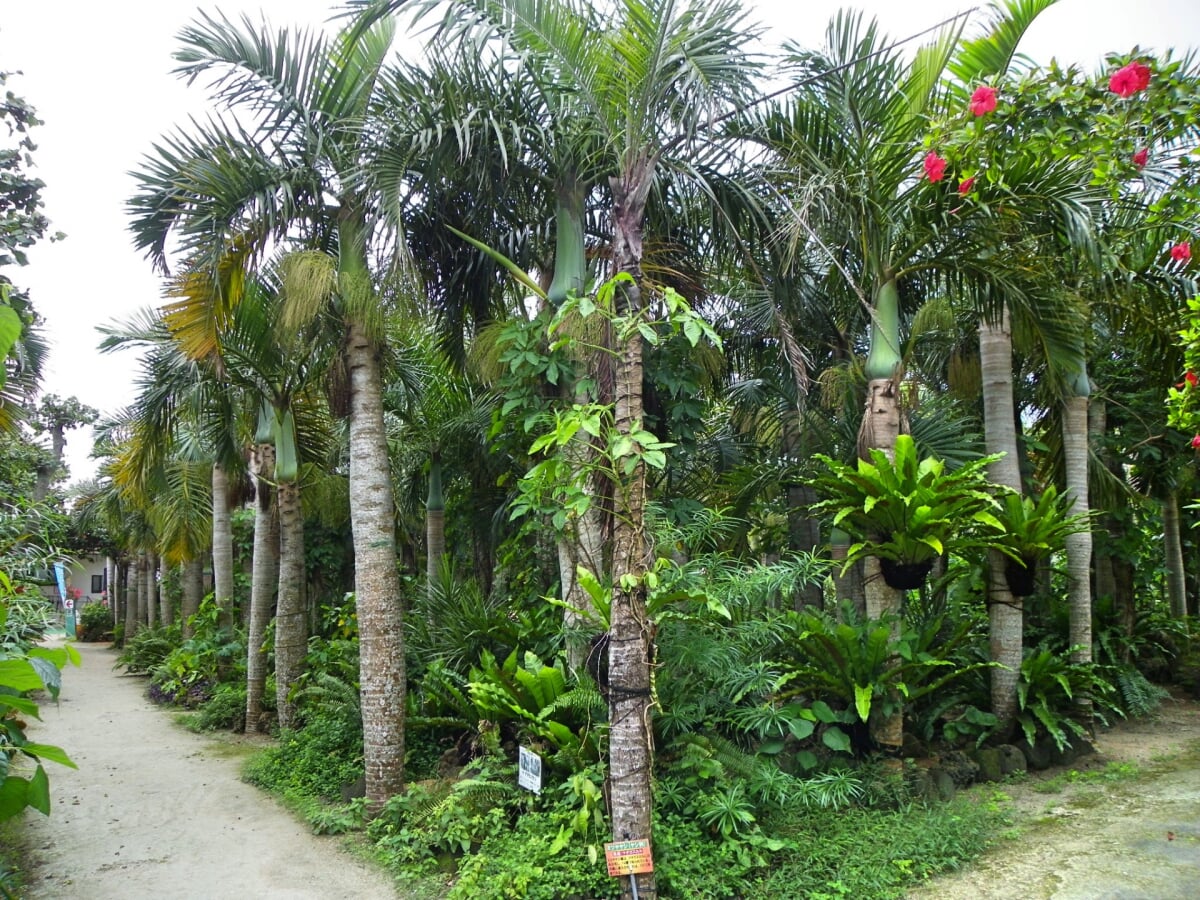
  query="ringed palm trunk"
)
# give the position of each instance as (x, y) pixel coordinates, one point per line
(263, 580)
(146, 596)
(435, 523)
(193, 593)
(291, 621)
(883, 422)
(166, 614)
(1005, 611)
(1173, 549)
(1078, 546)
(373, 521)
(133, 619)
(150, 591)
(630, 742)
(222, 543)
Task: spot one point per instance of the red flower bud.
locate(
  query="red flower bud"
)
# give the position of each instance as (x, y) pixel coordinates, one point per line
(964, 186)
(1181, 252)
(1196, 442)
(1141, 157)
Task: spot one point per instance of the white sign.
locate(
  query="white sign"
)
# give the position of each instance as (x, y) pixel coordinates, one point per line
(69, 603)
(529, 771)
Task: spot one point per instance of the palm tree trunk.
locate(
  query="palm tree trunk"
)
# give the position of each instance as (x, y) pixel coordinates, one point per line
(1005, 611)
(149, 590)
(166, 614)
(848, 586)
(263, 581)
(133, 620)
(1173, 550)
(193, 593)
(145, 575)
(376, 583)
(291, 623)
(581, 544)
(804, 535)
(1078, 546)
(631, 750)
(222, 543)
(435, 523)
(883, 422)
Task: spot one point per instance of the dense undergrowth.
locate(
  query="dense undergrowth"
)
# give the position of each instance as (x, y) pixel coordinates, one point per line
(767, 783)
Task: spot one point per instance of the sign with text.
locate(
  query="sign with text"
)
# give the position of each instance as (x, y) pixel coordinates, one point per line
(529, 771)
(628, 858)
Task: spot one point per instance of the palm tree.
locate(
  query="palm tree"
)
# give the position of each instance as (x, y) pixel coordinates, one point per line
(644, 76)
(225, 190)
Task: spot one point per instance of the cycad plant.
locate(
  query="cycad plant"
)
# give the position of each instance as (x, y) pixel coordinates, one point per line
(908, 511)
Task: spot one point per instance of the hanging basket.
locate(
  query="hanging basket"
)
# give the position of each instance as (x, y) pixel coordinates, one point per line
(905, 576)
(1021, 576)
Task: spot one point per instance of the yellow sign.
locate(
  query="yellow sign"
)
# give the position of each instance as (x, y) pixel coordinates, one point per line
(628, 858)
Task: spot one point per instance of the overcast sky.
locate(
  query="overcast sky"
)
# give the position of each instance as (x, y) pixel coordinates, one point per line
(99, 76)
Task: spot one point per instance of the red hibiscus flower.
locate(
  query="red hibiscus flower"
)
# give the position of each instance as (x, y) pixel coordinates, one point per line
(964, 186)
(1189, 378)
(1128, 80)
(983, 101)
(1181, 252)
(1196, 442)
(935, 166)
(1141, 157)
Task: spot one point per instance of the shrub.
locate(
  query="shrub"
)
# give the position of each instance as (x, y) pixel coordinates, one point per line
(148, 648)
(95, 622)
(224, 710)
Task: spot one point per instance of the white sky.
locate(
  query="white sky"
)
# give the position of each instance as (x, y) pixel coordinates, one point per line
(98, 75)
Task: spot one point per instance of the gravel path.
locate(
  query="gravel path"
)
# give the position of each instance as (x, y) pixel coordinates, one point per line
(1095, 838)
(156, 812)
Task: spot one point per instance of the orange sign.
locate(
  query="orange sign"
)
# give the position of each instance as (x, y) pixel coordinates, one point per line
(628, 858)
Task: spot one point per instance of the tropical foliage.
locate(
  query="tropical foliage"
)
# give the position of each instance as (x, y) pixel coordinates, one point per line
(564, 386)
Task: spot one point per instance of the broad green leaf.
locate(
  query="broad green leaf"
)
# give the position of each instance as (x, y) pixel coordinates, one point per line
(835, 739)
(13, 795)
(801, 728)
(862, 701)
(38, 794)
(20, 675)
(823, 713)
(48, 751)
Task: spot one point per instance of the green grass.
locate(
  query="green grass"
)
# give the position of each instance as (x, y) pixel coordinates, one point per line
(12, 857)
(881, 853)
(1113, 773)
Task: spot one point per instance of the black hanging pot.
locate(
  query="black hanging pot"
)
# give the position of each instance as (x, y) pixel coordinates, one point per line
(905, 576)
(1021, 576)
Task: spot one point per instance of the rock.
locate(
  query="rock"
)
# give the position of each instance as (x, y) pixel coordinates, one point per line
(989, 761)
(1012, 760)
(960, 767)
(1037, 755)
(943, 785)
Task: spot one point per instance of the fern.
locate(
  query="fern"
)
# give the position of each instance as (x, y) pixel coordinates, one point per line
(1139, 697)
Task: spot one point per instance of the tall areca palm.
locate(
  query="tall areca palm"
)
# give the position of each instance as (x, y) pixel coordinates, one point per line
(224, 189)
(846, 148)
(644, 76)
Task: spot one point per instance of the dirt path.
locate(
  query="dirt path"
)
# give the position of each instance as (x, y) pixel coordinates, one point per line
(154, 811)
(1108, 832)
